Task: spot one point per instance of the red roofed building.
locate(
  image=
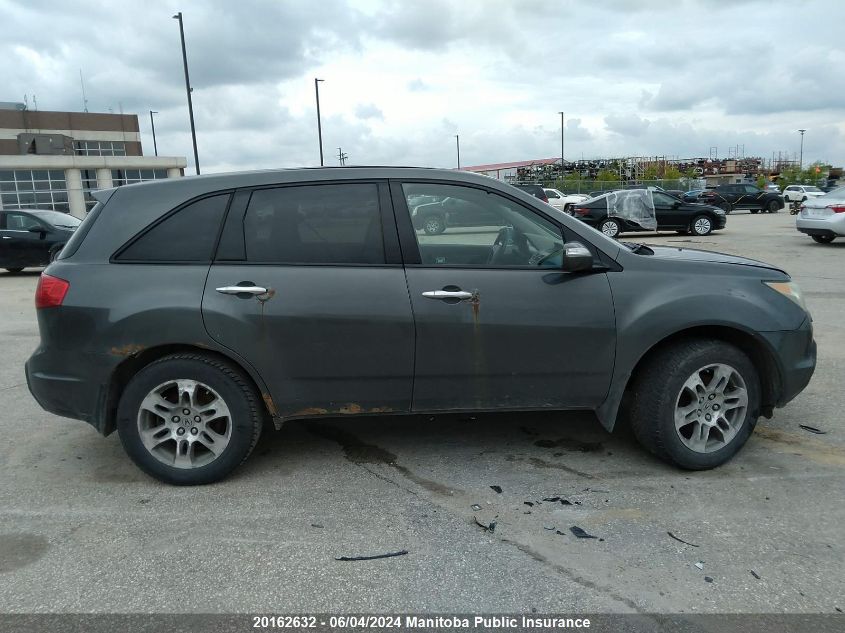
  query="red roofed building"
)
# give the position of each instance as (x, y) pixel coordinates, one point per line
(508, 171)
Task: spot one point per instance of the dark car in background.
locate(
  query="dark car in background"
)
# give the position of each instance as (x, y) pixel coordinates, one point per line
(672, 214)
(187, 313)
(535, 190)
(32, 237)
(436, 216)
(741, 196)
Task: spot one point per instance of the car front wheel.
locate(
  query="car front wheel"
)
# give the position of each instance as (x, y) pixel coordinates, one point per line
(434, 225)
(610, 227)
(189, 419)
(702, 225)
(695, 403)
(774, 207)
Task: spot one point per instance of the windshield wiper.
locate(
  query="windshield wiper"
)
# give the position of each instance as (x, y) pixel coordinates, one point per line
(639, 248)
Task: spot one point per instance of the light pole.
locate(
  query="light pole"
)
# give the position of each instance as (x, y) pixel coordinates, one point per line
(801, 160)
(153, 125)
(319, 125)
(561, 144)
(188, 89)
(458, 147)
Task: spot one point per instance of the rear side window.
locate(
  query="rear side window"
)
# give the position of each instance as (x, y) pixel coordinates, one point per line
(188, 235)
(315, 224)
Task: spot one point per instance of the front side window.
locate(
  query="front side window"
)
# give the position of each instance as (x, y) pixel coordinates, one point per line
(315, 224)
(661, 199)
(551, 194)
(464, 226)
(189, 235)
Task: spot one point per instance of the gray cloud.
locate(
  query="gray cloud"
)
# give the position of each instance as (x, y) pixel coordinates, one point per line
(368, 111)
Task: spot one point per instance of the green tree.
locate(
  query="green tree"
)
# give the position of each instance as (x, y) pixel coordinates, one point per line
(762, 181)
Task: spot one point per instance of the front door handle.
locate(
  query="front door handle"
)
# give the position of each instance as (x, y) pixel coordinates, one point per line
(448, 294)
(236, 290)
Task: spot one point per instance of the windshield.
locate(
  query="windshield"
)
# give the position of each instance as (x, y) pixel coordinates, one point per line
(58, 219)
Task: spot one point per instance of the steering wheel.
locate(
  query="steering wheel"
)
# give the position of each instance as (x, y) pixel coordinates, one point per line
(508, 240)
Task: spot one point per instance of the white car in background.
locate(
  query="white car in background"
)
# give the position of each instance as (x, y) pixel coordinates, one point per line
(823, 217)
(799, 193)
(564, 201)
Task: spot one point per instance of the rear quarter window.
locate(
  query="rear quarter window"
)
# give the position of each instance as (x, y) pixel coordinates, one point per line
(186, 235)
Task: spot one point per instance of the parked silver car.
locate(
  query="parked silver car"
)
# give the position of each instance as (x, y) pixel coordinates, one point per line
(823, 217)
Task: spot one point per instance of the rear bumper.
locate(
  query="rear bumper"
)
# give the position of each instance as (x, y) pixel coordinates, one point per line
(795, 353)
(833, 225)
(70, 384)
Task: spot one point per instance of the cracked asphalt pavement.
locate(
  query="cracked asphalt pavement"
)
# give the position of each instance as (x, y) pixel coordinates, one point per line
(82, 530)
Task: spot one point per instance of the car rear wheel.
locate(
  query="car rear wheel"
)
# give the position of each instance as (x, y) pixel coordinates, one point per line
(702, 225)
(14, 270)
(725, 206)
(610, 227)
(823, 239)
(434, 225)
(774, 207)
(189, 419)
(695, 403)
(755, 210)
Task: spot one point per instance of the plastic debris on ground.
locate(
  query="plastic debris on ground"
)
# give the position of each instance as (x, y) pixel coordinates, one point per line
(680, 540)
(700, 565)
(488, 527)
(374, 557)
(755, 574)
(580, 533)
(812, 429)
(498, 489)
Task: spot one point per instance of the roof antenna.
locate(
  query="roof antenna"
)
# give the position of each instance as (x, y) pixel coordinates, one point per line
(84, 98)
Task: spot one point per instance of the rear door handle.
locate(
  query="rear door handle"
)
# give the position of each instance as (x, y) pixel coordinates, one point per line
(236, 290)
(448, 294)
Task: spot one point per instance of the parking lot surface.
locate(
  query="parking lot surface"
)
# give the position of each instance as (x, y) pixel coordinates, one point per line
(82, 530)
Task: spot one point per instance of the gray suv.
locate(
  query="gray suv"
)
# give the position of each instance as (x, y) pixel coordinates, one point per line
(187, 313)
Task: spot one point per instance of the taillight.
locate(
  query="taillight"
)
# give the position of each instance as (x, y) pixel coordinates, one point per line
(837, 208)
(545, 198)
(51, 291)
(582, 210)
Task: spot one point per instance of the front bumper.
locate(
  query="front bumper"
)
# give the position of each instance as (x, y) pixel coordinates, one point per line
(70, 384)
(795, 355)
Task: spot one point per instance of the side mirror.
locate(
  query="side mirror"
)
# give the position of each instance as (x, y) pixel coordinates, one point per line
(38, 229)
(576, 257)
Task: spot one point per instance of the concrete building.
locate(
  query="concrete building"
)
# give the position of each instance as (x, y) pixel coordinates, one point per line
(54, 160)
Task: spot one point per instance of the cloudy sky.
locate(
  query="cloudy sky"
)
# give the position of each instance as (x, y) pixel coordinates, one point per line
(634, 77)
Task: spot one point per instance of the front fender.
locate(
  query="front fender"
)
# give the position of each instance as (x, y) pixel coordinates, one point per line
(652, 306)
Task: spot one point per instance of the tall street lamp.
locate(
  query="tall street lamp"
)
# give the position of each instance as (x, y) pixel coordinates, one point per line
(319, 126)
(153, 125)
(188, 89)
(801, 160)
(458, 147)
(561, 144)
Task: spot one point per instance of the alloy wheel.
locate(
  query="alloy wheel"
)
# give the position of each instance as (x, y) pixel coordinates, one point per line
(702, 226)
(711, 408)
(184, 423)
(610, 228)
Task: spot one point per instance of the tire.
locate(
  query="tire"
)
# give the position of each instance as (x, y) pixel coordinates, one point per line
(610, 227)
(755, 210)
(823, 239)
(660, 390)
(216, 382)
(434, 225)
(567, 209)
(725, 206)
(701, 225)
(773, 206)
(14, 270)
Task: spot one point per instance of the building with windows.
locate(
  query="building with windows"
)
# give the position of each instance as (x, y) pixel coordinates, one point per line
(54, 160)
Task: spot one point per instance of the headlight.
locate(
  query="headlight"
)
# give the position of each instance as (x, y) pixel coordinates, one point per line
(788, 289)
